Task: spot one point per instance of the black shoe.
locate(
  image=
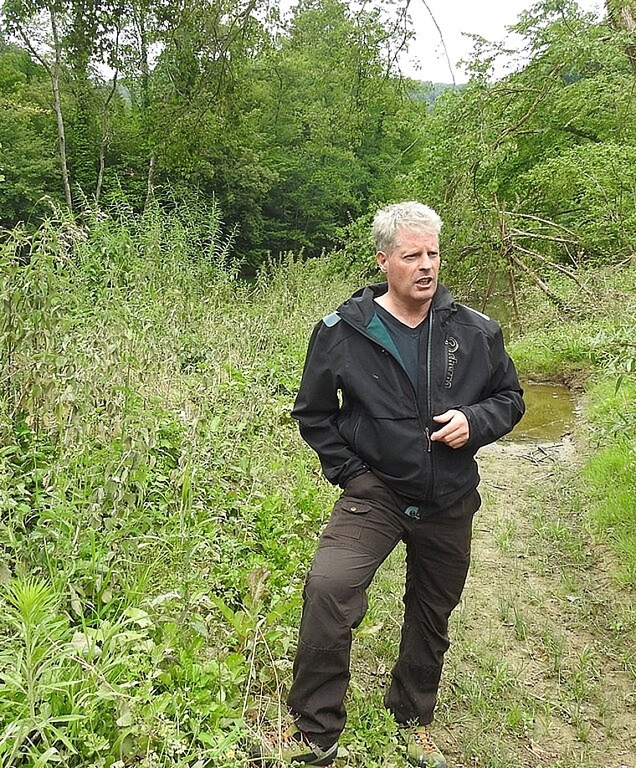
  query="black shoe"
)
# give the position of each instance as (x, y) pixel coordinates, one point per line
(293, 747)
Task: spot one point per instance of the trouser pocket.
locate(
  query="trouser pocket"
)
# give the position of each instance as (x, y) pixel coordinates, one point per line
(348, 518)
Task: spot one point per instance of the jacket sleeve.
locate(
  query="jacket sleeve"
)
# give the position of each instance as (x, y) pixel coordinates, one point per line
(317, 408)
(503, 406)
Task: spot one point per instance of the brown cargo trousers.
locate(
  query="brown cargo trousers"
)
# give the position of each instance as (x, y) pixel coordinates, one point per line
(366, 524)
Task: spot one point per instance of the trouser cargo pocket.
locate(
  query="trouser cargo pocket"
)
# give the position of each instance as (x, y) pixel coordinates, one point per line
(349, 516)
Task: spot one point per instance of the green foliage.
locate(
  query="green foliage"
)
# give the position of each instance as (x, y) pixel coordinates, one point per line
(65, 687)
(338, 124)
(28, 161)
(589, 333)
(355, 255)
(156, 506)
(537, 178)
(299, 125)
(596, 180)
(610, 472)
(290, 125)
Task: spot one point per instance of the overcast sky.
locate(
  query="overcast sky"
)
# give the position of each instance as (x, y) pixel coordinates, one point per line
(488, 18)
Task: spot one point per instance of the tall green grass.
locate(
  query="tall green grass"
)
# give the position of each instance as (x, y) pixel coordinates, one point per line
(156, 510)
(609, 474)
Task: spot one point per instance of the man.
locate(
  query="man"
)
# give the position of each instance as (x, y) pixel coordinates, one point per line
(400, 389)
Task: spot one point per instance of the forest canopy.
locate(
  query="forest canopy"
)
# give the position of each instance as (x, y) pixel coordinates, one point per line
(295, 127)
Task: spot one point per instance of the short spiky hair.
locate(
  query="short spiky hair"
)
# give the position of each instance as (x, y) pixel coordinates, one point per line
(409, 215)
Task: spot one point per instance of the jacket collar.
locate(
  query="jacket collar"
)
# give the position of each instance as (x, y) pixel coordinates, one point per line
(359, 310)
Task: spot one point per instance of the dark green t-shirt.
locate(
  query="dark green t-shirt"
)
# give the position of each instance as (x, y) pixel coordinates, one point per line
(407, 341)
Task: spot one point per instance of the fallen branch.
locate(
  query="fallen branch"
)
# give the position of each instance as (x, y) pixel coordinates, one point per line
(558, 267)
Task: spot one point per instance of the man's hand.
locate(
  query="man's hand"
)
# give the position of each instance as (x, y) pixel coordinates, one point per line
(455, 432)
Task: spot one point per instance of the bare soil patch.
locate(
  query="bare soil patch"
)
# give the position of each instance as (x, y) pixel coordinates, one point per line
(544, 636)
(542, 669)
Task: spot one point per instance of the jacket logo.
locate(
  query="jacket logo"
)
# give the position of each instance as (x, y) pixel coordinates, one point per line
(452, 345)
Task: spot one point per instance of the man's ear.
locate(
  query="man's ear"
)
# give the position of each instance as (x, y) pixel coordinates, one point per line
(381, 259)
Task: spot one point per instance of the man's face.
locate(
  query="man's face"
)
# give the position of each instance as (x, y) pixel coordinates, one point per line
(411, 268)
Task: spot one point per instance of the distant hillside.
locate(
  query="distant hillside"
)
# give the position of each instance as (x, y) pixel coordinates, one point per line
(429, 92)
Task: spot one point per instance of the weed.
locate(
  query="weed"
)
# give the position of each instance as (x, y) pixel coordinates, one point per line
(158, 512)
(505, 535)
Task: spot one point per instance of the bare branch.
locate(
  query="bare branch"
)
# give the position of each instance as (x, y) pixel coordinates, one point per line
(538, 236)
(548, 222)
(441, 37)
(558, 267)
(554, 297)
(531, 110)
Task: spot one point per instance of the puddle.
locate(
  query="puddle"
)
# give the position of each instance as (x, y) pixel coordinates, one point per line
(550, 408)
(550, 413)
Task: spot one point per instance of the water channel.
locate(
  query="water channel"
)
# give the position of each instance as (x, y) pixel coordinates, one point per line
(550, 408)
(550, 413)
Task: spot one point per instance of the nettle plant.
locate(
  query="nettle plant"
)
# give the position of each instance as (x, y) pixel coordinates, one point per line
(63, 690)
(154, 494)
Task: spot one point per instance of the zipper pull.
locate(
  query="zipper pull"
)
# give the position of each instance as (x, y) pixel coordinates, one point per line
(429, 442)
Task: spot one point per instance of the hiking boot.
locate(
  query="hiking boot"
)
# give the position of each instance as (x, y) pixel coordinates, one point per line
(421, 749)
(295, 748)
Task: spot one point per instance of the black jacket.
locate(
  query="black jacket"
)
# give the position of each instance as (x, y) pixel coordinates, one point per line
(358, 410)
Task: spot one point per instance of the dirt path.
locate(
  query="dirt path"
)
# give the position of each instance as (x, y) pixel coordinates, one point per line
(545, 652)
(542, 670)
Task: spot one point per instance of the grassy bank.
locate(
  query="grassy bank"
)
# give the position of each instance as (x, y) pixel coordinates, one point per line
(589, 345)
(158, 509)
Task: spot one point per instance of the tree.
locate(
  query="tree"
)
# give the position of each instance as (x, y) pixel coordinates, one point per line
(339, 121)
(536, 165)
(38, 26)
(70, 41)
(293, 126)
(28, 165)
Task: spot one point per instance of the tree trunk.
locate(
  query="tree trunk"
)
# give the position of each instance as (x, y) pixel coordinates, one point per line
(104, 142)
(53, 72)
(57, 105)
(150, 189)
(622, 16)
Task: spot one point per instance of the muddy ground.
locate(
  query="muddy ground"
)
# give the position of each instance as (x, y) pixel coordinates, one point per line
(542, 669)
(541, 598)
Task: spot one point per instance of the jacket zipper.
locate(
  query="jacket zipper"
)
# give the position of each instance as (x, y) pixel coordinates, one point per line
(428, 453)
(429, 407)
